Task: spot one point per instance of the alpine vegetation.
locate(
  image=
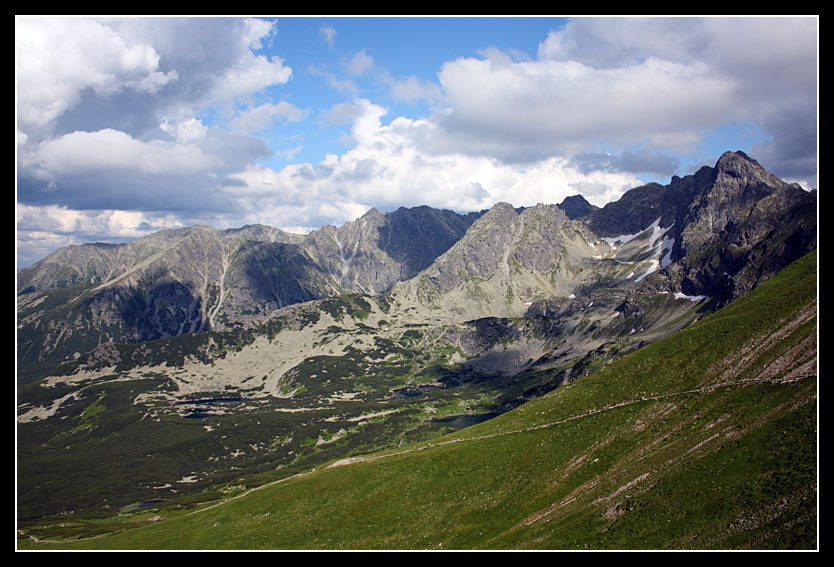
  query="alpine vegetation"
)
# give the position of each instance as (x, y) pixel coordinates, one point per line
(637, 375)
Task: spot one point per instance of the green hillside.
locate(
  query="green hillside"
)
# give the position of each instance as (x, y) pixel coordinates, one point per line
(704, 440)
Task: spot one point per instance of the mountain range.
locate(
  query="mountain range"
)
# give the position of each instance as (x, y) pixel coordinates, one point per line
(171, 368)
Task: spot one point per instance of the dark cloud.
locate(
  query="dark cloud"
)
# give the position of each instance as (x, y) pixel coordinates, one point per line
(791, 152)
(138, 192)
(99, 133)
(139, 119)
(664, 83)
(637, 162)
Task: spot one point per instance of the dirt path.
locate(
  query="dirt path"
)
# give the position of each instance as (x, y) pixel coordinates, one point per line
(594, 411)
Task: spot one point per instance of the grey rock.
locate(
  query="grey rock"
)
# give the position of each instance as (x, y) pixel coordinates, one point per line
(727, 228)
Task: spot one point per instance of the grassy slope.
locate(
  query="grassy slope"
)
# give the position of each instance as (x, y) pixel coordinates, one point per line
(706, 439)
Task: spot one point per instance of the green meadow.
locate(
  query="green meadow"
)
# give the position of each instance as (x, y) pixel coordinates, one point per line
(706, 439)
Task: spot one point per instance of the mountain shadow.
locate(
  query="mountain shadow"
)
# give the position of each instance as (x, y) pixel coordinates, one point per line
(419, 235)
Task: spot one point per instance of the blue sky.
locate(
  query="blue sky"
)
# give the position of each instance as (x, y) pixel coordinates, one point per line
(337, 59)
(126, 126)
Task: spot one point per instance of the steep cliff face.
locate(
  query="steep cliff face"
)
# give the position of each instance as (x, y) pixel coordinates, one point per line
(742, 228)
(278, 350)
(716, 234)
(736, 184)
(167, 284)
(576, 207)
(372, 253)
(507, 259)
(730, 225)
(200, 278)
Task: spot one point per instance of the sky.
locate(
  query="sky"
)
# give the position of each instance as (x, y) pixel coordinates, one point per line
(126, 126)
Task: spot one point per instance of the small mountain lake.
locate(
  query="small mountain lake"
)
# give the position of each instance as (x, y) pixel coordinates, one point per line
(201, 407)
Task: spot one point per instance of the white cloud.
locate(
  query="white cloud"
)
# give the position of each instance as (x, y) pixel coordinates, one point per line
(128, 73)
(613, 42)
(108, 149)
(328, 34)
(412, 89)
(186, 131)
(108, 108)
(359, 63)
(387, 168)
(256, 31)
(563, 106)
(261, 117)
(663, 84)
(252, 73)
(765, 69)
(769, 52)
(115, 223)
(57, 58)
(342, 113)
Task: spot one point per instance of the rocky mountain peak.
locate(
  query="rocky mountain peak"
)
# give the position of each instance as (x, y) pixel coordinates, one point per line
(737, 160)
(576, 206)
(723, 228)
(746, 172)
(373, 214)
(501, 210)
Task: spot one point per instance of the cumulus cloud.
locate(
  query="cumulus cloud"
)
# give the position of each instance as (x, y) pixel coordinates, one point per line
(387, 168)
(110, 149)
(528, 110)
(250, 75)
(343, 113)
(602, 102)
(57, 59)
(186, 130)
(261, 117)
(134, 73)
(759, 70)
(108, 108)
(660, 84)
(412, 89)
(359, 63)
(119, 223)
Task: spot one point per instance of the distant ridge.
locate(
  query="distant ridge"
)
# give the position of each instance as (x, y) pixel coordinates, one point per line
(180, 366)
(719, 454)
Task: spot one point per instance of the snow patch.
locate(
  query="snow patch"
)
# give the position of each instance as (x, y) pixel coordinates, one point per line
(657, 231)
(655, 265)
(617, 241)
(658, 242)
(694, 298)
(666, 250)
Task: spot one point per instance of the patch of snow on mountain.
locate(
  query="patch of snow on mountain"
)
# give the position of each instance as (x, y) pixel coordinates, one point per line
(617, 241)
(666, 250)
(679, 295)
